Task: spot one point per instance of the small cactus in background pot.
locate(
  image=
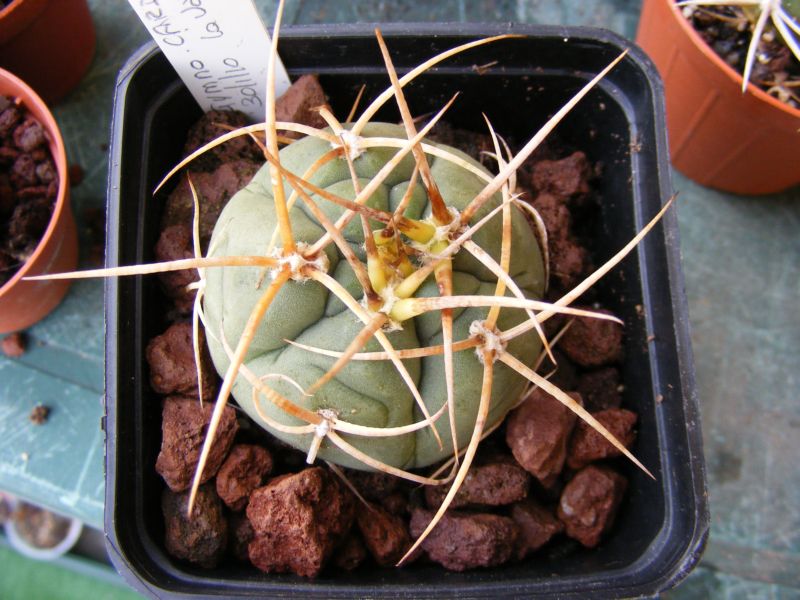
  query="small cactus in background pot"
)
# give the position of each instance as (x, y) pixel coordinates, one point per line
(759, 16)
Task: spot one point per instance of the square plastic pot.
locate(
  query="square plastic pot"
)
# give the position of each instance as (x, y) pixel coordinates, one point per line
(663, 523)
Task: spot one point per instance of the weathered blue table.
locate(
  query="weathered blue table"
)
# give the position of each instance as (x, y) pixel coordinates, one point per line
(742, 278)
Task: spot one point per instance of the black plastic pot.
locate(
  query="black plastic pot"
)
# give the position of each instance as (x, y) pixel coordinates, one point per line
(663, 525)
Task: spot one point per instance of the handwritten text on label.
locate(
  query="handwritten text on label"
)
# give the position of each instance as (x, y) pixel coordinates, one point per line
(218, 47)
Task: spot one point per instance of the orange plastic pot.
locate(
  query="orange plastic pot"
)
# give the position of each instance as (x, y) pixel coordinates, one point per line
(48, 43)
(741, 143)
(23, 303)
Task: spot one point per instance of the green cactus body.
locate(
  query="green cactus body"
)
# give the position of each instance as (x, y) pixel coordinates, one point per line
(369, 393)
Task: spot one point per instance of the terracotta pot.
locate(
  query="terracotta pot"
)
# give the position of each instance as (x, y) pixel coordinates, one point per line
(22, 303)
(47, 43)
(742, 143)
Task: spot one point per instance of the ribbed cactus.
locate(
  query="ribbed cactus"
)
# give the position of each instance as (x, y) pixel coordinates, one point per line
(371, 393)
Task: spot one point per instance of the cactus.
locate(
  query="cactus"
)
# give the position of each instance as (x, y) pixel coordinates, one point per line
(373, 394)
(358, 295)
(785, 18)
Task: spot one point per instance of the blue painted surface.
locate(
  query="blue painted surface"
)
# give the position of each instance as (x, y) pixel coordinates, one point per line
(742, 279)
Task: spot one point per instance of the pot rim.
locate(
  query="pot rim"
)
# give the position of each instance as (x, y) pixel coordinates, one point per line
(16, 17)
(731, 73)
(34, 103)
(21, 545)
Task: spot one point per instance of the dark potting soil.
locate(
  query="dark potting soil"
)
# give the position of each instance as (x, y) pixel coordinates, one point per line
(519, 497)
(728, 32)
(28, 185)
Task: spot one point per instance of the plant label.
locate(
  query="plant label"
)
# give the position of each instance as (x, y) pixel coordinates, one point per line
(219, 48)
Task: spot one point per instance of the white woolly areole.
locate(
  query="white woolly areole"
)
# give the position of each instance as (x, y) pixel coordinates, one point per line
(389, 298)
(491, 341)
(351, 143)
(442, 233)
(328, 417)
(297, 261)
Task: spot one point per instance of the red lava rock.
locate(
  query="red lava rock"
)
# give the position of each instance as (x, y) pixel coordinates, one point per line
(46, 171)
(29, 135)
(298, 520)
(373, 485)
(593, 342)
(569, 260)
(208, 128)
(214, 189)
(39, 414)
(39, 154)
(52, 189)
(298, 104)
(23, 171)
(556, 216)
(600, 389)
(175, 243)
(201, 538)
(350, 553)
(565, 376)
(240, 535)
(14, 344)
(537, 432)
(183, 430)
(462, 541)
(385, 535)
(587, 445)
(566, 179)
(27, 224)
(9, 117)
(396, 503)
(589, 503)
(172, 367)
(494, 484)
(537, 526)
(8, 155)
(243, 471)
(33, 191)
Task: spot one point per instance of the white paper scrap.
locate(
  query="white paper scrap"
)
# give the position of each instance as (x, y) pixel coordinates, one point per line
(219, 48)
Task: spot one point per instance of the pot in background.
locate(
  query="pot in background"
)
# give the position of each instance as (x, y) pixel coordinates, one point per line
(66, 541)
(23, 303)
(742, 143)
(48, 43)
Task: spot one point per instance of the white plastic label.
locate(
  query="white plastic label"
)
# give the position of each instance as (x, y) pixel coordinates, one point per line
(219, 48)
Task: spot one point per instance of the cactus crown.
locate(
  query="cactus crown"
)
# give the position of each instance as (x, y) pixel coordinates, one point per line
(405, 250)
